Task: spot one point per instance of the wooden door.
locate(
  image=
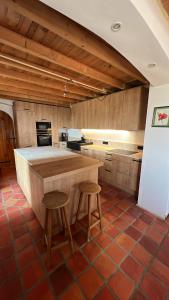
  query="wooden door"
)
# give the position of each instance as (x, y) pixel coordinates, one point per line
(7, 139)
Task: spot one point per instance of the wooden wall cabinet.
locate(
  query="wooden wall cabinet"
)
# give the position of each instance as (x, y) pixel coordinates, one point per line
(125, 110)
(25, 124)
(26, 116)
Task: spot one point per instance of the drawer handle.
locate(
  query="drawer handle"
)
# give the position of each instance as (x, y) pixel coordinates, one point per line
(108, 153)
(107, 170)
(108, 159)
(137, 160)
(28, 146)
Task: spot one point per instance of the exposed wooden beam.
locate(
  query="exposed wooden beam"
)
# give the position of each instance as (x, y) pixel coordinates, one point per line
(12, 96)
(72, 32)
(80, 87)
(19, 42)
(28, 93)
(38, 88)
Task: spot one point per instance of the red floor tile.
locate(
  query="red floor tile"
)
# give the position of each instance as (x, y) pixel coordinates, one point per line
(11, 289)
(90, 283)
(153, 288)
(23, 241)
(132, 268)
(32, 274)
(161, 271)
(103, 240)
(26, 256)
(42, 291)
(121, 285)
(142, 255)
(133, 233)
(91, 250)
(122, 253)
(125, 241)
(77, 264)
(105, 294)
(116, 253)
(149, 244)
(105, 266)
(73, 292)
(60, 279)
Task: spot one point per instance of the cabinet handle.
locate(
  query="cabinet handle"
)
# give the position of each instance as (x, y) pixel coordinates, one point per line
(108, 159)
(108, 153)
(28, 146)
(107, 170)
(137, 160)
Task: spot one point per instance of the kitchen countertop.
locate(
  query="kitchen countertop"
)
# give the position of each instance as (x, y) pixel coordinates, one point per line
(137, 156)
(64, 166)
(37, 155)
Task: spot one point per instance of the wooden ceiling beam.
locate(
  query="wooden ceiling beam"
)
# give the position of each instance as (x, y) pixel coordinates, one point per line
(49, 80)
(75, 86)
(28, 93)
(23, 98)
(72, 32)
(38, 88)
(19, 42)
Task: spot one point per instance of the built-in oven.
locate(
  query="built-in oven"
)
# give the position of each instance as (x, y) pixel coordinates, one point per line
(44, 134)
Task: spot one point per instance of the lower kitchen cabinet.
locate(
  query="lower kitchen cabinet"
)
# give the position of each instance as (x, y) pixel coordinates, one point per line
(120, 171)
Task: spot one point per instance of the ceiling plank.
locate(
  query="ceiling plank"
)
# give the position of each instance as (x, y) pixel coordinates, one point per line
(38, 88)
(19, 42)
(74, 87)
(72, 32)
(48, 81)
(28, 93)
(33, 98)
(23, 98)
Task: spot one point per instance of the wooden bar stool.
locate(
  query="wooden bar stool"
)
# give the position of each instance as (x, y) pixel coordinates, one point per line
(87, 190)
(55, 201)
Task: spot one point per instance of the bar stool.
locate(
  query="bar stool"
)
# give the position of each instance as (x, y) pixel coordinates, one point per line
(87, 190)
(55, 201)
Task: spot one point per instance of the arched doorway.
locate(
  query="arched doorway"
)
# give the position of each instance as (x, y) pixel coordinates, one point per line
(7, 139)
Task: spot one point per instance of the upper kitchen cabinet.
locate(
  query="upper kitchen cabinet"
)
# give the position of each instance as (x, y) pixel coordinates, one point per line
(64, 117)
(44, 113)
(134, 109)
(125, 110)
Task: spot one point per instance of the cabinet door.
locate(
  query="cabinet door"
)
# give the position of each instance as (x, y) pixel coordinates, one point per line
(25, 128)
(115, 113)
(135, 169)
(64, 117)
(134, 108)
(44, 113)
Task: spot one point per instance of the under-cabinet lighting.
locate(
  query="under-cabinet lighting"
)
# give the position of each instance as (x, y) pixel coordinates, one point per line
(106, 131)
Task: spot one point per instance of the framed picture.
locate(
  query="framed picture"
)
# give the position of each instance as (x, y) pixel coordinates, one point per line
(161, 117)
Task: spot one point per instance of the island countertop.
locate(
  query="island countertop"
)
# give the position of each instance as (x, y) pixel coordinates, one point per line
(65, 166)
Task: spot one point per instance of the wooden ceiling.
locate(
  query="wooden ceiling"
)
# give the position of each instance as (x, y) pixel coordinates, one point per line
(165, 4)
(45, 57)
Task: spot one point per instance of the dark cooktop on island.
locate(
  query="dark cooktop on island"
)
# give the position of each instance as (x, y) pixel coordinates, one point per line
(75, 145)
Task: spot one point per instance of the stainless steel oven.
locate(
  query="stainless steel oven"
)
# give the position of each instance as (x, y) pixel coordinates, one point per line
(44, 134)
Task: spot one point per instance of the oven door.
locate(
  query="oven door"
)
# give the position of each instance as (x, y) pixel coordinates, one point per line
(44, 140)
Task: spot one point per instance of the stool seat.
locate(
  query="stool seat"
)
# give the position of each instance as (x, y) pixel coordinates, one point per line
(55, 199)
(89, 188)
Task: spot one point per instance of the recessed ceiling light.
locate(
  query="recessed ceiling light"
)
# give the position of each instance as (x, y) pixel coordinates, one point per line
(116, 26)
(151, 65)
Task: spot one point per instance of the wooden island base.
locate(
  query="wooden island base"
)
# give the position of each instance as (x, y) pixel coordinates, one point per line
(63, 174)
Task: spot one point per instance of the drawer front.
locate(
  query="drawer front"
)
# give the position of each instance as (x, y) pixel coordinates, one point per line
(124, 167)
(122, 180)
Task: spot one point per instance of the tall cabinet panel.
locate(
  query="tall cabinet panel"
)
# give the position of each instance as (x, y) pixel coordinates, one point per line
(25, 124)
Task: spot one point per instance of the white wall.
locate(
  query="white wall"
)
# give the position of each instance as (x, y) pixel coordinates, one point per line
(154, 183)
(6, 106)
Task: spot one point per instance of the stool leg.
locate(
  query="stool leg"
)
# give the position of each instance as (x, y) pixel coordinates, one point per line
(45, 227)
(79, 205)
(99, 210)
(68, 228)
(49, 236)
(62, 218)
(89, 217)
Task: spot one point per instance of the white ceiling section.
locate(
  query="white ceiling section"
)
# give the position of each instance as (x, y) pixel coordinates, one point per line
(143, 38)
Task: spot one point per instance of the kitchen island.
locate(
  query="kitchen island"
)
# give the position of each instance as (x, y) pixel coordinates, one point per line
(44, 169)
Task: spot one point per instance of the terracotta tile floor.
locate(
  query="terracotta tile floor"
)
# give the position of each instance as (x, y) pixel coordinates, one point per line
(128, 260)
